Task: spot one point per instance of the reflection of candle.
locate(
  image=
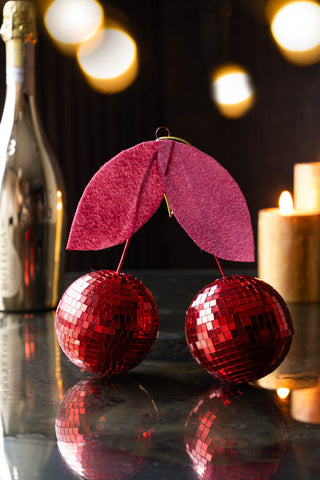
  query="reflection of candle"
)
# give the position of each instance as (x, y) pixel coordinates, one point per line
(305, 405)
(301, 367)
(289, 252)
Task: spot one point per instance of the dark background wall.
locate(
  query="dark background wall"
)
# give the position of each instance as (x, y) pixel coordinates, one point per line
(179, 43)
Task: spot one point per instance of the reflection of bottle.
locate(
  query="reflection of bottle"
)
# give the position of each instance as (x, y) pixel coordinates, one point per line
(30, 378)
(22, 350)
(32, 218)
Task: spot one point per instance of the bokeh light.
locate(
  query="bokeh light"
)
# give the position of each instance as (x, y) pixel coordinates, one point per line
(70, 22)
(232, 90)
(109, 60)
(295, 26)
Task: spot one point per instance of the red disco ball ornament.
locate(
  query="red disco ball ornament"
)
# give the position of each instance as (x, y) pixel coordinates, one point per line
(238, 328)
(107, 322)
(236, 434)
(104, 430)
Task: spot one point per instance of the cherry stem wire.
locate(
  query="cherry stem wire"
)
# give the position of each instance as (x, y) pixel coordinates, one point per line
(168, 206)
(123, 255)
(219, 265)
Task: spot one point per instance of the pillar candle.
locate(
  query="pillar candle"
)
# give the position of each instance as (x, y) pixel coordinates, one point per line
(307, 186)
(289, 253)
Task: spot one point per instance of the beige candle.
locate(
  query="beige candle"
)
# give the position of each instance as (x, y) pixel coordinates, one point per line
(289, 253)
(307, 186)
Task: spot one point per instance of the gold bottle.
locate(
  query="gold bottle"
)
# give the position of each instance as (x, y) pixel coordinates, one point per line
(32, 193)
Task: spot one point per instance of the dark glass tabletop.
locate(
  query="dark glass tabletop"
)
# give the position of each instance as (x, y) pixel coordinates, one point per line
(166, 418)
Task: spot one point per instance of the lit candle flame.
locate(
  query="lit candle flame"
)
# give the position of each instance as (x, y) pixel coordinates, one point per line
(286, 203)
(283, 392)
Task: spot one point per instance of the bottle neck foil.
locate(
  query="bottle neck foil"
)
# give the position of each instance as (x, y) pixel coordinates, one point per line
(20, 65)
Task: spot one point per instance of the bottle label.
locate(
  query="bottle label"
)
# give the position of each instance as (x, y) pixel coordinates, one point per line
(10, 265)
(14, 75)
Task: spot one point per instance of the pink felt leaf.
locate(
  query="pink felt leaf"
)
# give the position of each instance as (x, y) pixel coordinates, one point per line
(119, 199)
(206, 201)
(128, 189)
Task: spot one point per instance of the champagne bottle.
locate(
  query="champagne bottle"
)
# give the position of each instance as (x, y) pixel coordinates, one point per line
(32, 194)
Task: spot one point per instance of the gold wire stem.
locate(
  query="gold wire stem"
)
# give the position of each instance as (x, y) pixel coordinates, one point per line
(169, 137)
(174, 138)
(168, 206)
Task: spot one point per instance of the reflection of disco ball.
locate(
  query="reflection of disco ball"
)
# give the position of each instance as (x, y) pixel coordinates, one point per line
(236, 434)
(104, 430)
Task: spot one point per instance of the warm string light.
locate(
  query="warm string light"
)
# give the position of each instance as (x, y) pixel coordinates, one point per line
(71, 22)
(295, 26)
(106, 53)
(232, 90)
(109, 60)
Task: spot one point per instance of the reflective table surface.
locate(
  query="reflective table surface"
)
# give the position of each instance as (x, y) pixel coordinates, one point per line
(166, 418)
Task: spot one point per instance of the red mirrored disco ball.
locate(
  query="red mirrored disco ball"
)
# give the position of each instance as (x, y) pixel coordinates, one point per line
(104, 430)
(107, 322)
(238, 328)
(236, 434)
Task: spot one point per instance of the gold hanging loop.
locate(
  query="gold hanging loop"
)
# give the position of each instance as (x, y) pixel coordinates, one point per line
(169, 137)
